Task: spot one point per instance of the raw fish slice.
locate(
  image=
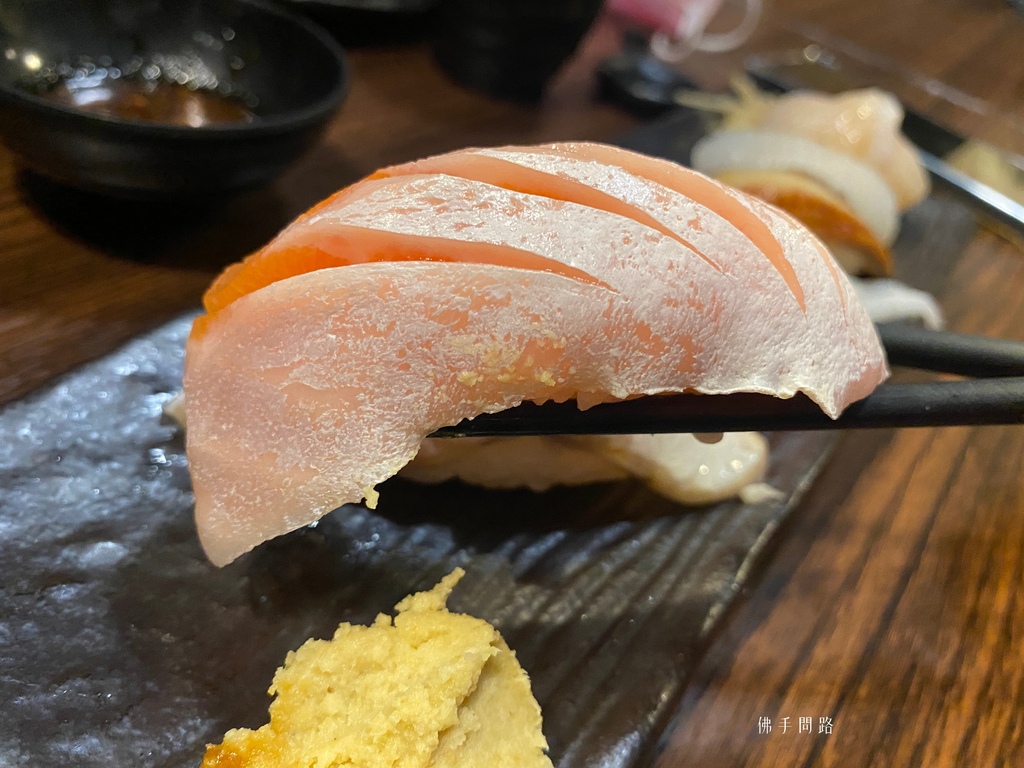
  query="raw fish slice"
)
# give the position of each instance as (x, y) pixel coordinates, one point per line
(758, 223)
(619, 182)
(289, 255)
(700, 314)
(742, 236)
(733, 231)
(308, 384)
(302, 396)
(864, 124)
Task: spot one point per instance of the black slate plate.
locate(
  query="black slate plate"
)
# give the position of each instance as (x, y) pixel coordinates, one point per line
(120, 645)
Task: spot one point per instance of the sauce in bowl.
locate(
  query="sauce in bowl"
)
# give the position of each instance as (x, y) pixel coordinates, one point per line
(151, 101)
(179, 89)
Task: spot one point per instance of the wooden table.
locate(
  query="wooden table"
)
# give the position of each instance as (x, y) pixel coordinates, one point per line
(894, 604)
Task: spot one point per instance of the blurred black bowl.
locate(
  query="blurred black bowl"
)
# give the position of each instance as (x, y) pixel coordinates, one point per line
(357, 23)
(273, 78)
(510, 48)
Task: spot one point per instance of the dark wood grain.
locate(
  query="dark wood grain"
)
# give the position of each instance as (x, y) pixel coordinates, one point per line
(969, 48)
(894, 603)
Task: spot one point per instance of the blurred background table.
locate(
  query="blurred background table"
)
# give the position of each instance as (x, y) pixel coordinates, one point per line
(894, 602)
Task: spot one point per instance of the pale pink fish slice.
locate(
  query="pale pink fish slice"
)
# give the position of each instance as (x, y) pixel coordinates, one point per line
(304, 395)
(663, 195)
(727, 327)
(754, 243)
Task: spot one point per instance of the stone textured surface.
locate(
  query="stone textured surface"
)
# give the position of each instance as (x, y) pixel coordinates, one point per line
(121, 645)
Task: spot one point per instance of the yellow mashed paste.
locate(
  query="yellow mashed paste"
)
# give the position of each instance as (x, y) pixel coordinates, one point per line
(427, 689)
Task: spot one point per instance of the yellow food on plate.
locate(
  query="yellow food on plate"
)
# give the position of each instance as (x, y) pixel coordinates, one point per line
(426, 689)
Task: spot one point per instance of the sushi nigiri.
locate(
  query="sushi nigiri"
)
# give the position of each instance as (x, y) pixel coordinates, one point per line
(839, 163)
(474, 281)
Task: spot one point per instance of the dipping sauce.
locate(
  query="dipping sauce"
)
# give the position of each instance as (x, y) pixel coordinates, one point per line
(155, 101)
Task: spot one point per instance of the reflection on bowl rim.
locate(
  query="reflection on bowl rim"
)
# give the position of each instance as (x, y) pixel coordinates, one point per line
(287, 120)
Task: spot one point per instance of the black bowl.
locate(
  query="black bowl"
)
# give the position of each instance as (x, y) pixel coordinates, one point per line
(356, 23)
(510, 48)
(288, 71)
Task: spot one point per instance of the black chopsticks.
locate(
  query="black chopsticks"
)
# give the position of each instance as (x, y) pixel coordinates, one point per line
(994, 395)
(979, 357)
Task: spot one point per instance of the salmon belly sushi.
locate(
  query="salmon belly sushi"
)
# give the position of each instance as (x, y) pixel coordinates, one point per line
(471, 282)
